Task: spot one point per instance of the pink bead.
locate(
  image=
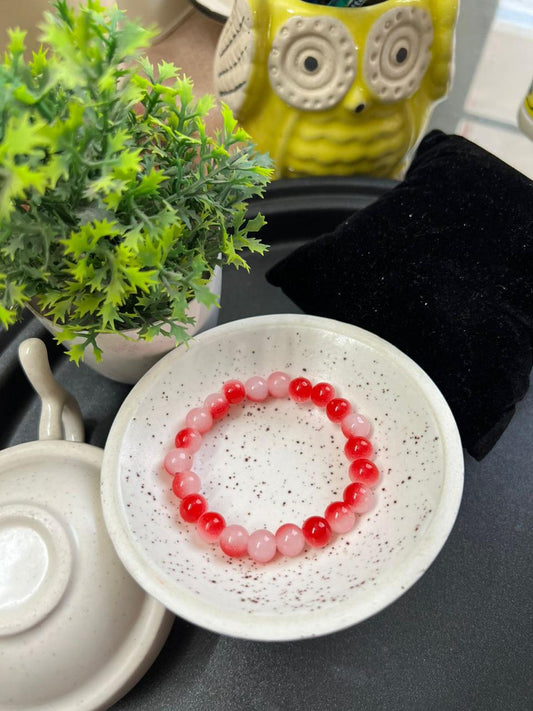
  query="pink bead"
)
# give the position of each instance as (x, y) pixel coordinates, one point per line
(339, 517)
(190, 439)
(358, 497)
(290, 540)
(256, 389)
(217, 405)
(278, 384)
(177, 460)
(355, 425)
(199, 418)
(210, 525)
(261, 546)
(234, 541)
(185, 483)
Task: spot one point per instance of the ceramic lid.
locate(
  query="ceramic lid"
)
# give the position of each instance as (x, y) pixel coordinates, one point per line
(76, 631)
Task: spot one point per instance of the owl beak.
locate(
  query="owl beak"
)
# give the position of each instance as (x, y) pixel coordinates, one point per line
(357, 100)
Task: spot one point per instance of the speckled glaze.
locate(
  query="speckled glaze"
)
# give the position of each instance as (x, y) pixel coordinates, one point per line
(276, 462)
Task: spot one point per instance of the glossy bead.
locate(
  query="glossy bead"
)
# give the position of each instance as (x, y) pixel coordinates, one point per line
(337, 409)
(317, 531)
(210, 525)
(322, 393)
(177, 460)
(278, 384)
(199, 418)
(358, 497)
(189, 439)
(340, 517)
(192, 507)
(261, 546)
(185, 483)
(256, 388)
(233, 391)
(358, 448)
(290, 540)
(355, 425)
(364, 471)
(234, 541)
(217, 405)
(300, 389)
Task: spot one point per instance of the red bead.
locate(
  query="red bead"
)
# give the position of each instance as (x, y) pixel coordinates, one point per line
(210, 525)
(300, 389)
(233, 391)
(340, 517)
(190, 439)
(192, 507)
(322, 393)
(358, 448)
(217, 405)
(337, 409)
(364, 471)
(358, 497)
(317, 531)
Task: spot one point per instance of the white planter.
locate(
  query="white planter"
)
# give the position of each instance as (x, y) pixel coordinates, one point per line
(125, 357)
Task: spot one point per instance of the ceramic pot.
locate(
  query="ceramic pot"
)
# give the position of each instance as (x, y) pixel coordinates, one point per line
(126, 358)
(76, 631)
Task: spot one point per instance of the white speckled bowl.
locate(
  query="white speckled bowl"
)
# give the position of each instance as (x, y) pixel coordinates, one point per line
(275, 462)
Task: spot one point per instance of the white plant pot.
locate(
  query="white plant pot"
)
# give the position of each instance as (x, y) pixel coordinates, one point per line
(126, 358)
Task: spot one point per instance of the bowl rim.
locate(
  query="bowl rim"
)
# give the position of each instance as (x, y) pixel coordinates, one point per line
(271, 627)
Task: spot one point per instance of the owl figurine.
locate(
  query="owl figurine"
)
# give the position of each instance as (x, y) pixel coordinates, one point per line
(335, 90)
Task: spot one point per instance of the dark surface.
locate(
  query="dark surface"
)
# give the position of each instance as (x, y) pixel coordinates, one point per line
(459, 639)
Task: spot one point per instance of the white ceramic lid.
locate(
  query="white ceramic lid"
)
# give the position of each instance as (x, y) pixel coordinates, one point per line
(76, 631)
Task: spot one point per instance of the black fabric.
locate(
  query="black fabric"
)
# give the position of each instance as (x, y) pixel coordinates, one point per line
(442, 267)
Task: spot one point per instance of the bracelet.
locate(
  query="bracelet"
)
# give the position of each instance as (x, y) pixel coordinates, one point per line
(290, 539)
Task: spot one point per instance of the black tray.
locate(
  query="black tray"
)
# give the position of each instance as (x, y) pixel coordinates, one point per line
(460, 639)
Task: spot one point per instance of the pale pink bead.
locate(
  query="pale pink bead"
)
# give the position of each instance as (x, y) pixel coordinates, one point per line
(234, 541)
(355, 425)
(256, 388)
(177, 460)
(261, 546)
(290, 540)
(186, 483)
(278, 384)
(339, 517)
(217, 405)
(199, 418)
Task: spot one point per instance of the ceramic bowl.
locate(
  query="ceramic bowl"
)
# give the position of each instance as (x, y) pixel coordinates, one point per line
(269, 463)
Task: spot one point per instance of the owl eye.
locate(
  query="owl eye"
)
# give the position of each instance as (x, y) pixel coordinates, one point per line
(397, 52)
(234, 56)
(312, 62)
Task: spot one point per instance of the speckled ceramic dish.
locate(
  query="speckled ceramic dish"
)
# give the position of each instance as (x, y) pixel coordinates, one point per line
(270, 463)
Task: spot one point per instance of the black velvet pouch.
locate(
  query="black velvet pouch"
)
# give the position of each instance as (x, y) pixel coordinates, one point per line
(442, 267)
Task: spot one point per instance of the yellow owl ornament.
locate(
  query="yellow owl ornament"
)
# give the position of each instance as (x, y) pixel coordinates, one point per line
(335, 90)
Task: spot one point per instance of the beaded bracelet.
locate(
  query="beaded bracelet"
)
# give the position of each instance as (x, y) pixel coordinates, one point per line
(289, 539)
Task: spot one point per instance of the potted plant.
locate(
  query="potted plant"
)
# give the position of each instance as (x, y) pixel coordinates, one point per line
(116, 206)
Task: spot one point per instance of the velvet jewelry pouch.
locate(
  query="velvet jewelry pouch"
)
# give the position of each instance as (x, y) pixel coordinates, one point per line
(442, 267)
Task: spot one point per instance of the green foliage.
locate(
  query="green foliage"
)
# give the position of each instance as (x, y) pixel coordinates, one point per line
(115, 204)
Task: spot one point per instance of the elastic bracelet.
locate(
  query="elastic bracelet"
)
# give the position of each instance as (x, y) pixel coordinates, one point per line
(289, 539)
